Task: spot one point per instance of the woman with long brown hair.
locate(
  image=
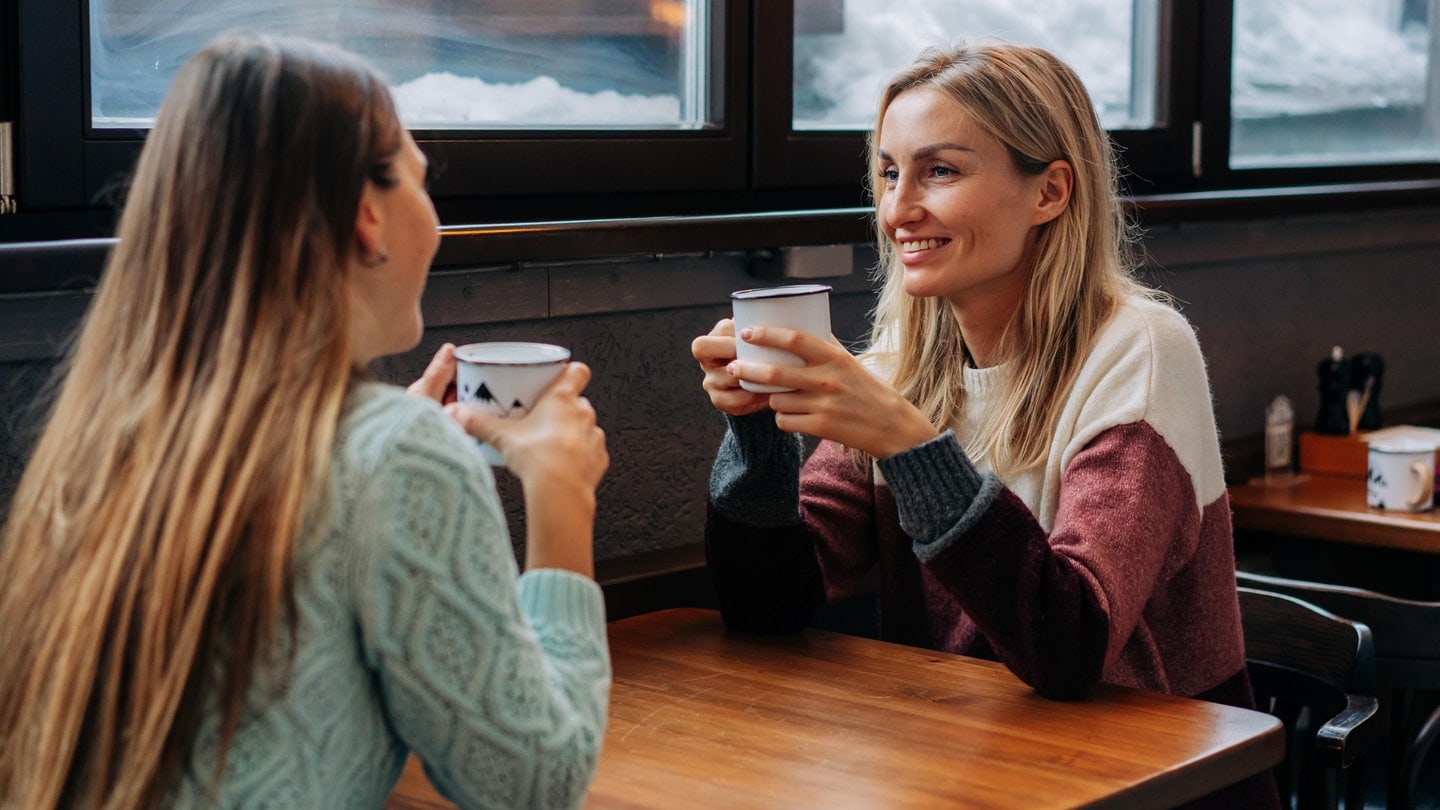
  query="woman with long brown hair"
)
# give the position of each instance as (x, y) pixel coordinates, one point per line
(1024, 460)
(238, 571)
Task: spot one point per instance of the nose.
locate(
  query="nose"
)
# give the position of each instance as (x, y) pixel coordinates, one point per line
(901, 205)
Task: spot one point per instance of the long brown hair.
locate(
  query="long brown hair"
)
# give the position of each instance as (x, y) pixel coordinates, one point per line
(1036, 106)
(148, 551)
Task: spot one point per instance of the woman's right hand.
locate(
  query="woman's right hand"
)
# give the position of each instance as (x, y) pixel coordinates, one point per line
(558, 452)
(715, 351)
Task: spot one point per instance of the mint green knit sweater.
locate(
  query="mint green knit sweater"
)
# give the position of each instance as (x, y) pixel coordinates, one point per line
(416, 633)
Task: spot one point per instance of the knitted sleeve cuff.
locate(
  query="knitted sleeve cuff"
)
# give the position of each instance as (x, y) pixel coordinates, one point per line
(554, 597)
(756, 477)
(938, 492)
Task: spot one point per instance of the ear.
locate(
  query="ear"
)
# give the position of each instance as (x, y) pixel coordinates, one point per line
(1054, 191)
(369, 224)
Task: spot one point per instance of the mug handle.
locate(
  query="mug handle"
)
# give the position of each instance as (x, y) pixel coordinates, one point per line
(1427, 481)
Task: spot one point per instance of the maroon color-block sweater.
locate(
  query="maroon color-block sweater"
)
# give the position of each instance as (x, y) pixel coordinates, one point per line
(1132, 584)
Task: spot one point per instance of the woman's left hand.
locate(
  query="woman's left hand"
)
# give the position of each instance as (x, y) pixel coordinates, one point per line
(438, 380)
(835, 397)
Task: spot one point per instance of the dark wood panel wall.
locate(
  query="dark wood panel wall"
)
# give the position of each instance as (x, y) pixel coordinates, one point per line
(1268, 298)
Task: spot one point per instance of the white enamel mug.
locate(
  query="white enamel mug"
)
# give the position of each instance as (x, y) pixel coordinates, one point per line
(505, 378)
(803, 307)
(1401, 475)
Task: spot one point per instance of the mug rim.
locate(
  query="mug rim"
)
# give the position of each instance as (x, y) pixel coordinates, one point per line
(787, 291)
(552, 353)
(1401, 447)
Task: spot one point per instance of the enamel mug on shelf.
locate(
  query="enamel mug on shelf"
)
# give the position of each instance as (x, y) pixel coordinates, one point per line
(1401, 475)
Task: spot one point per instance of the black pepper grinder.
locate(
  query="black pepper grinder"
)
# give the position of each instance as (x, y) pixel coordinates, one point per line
(1366, 371)
(1334, 374)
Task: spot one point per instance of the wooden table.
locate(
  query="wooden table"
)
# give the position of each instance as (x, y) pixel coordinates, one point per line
(701, 717)
(1330, 508)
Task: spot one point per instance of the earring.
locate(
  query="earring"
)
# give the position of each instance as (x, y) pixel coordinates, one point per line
(381, 257)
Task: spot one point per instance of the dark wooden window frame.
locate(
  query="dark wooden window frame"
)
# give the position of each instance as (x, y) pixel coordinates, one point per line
(752, 162)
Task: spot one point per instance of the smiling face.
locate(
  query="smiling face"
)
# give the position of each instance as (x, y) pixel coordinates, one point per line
(961, 215)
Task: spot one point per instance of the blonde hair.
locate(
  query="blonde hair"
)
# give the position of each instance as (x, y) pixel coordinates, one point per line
(1037, 108)
(149, 547)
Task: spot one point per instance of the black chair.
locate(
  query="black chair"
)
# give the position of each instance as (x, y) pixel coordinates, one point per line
(1316, 672)
(1407, 665)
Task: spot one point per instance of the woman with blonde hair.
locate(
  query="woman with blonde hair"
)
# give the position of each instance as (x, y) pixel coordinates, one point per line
(240, 572)
(1025, 460)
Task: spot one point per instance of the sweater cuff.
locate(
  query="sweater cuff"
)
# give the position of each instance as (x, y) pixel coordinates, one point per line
(756, 477)
(554, 597)
(938, 492)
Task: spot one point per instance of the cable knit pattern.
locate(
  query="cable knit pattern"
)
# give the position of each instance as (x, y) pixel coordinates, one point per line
(416, 632)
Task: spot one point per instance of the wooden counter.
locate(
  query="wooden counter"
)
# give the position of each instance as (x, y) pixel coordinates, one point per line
(1330, 508)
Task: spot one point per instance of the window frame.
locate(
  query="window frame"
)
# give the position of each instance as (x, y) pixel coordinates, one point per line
(753, 161)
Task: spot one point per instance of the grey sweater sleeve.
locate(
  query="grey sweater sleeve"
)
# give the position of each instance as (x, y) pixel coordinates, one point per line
(756, 476)
(938, 492)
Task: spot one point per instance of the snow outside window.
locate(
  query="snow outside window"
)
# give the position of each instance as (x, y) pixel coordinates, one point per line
(1334, 82)
(843, 59)
(453, 64)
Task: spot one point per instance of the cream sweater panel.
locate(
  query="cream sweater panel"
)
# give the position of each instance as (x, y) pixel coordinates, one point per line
(1145, 366)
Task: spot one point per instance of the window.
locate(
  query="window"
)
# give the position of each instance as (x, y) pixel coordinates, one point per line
(635, 64)
(1136, 64)
(842, 59)
(1334, 82)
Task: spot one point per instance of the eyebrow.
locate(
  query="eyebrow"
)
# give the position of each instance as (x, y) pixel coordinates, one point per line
(929, 151)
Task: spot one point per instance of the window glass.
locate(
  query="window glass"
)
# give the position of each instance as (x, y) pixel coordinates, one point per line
(845, 50)
(453, 64)
(1331, 82)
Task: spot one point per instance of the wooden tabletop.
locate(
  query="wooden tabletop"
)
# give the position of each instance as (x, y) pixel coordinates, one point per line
(703, 717)
(1330, 508)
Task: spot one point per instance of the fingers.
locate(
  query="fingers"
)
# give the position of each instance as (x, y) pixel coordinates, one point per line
(715, 352)
(806, 346)
(438, 380)
(479, 424)
(717, 347)
(569, 382)
(821, 360)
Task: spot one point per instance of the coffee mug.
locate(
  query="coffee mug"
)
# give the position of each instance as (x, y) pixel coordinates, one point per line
(1401, 475)
(803, 307)
(505, 378)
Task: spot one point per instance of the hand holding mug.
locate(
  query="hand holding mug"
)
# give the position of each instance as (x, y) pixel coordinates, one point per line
(558, 438)
(437, 382)
(715, 352)
(833, 395)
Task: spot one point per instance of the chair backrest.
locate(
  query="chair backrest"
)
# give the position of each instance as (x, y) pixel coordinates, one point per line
(1316, 672)
(1406, 633)
(1406, 636)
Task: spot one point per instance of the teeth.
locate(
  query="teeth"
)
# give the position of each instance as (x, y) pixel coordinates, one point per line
(923, 244)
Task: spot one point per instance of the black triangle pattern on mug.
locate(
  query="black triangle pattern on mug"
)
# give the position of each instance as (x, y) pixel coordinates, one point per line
(483, 395)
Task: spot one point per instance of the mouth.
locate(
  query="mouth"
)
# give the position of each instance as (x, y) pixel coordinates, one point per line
(917, 245)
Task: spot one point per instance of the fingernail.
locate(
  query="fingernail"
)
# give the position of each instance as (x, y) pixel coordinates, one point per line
(747, 333)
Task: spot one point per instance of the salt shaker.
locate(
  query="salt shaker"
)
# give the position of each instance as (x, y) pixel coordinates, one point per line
(1279, 436)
